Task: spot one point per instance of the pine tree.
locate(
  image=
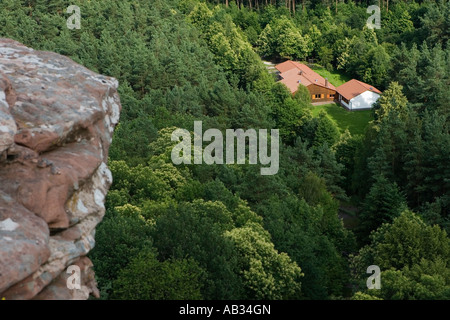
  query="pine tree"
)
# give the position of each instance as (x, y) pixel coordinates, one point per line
(391, 99)
(327, 131)
(404, 66)
(383, 203)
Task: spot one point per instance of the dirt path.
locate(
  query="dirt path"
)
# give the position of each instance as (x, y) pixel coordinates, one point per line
(270, 66)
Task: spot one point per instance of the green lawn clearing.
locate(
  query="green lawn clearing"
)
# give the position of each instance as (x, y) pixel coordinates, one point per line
(336, 78)
(354, 121)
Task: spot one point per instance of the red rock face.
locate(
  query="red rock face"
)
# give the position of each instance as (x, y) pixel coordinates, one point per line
(56, 124)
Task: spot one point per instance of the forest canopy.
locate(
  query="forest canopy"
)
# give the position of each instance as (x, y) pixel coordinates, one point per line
(338, 204)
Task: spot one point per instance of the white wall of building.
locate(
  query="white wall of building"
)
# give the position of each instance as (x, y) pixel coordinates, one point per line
(364, 100)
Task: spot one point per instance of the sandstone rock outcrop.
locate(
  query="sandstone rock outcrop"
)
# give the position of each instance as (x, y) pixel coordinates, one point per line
(56, 124)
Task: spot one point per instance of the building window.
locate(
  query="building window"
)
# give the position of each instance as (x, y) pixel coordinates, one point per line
(331, 95)
(317, 96)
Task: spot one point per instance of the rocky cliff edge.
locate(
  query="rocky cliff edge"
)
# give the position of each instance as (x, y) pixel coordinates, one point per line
(56, 124)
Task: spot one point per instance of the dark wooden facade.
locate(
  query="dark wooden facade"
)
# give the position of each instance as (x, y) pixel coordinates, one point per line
(321, 94)
(340, 97)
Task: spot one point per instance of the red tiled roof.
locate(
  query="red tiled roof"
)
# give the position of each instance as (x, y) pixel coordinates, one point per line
(354, 88)
(292, 79)
(294, 73)
(285, 66)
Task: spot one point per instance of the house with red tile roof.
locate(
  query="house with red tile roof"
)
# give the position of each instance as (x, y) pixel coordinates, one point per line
(357, 95)
(353, 95)
(293, 74)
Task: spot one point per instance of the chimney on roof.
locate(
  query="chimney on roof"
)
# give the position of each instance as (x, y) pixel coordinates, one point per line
(300, 72)
(326, 82)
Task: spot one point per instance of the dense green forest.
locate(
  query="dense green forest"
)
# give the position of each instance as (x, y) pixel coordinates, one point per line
(225, 231)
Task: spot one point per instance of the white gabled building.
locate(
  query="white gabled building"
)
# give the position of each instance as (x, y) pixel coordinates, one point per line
(357, 95)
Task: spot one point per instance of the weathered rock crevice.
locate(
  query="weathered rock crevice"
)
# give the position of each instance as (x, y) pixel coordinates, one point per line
(56, 124)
